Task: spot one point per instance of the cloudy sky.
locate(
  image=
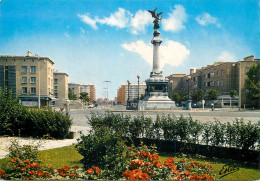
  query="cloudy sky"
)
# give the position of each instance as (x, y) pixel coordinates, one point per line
(109, 40)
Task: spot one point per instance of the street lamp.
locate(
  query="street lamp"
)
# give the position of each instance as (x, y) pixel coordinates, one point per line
(138, 77)
(128, 83)
(189, 101)
(39, 96)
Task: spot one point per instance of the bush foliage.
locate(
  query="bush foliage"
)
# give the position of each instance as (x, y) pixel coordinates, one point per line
(16, 119)
(238, 134)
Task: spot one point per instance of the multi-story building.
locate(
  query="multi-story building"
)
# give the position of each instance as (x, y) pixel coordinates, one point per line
(222, 76)
(60, 85)
(28, 77)
(90, 89)
(75, 88)
(122, 92)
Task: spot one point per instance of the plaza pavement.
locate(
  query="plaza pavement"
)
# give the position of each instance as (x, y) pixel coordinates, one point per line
(80, 122)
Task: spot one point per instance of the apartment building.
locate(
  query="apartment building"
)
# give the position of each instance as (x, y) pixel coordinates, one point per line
(90, 89)
(122, 92)
(75, 88)
(60, 85)
(222, 76)
(28, 77)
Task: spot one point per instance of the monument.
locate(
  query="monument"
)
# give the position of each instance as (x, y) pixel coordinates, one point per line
(156, 95)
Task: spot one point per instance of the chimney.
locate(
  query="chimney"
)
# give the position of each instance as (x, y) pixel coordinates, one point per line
(191, 71)
(29, 53)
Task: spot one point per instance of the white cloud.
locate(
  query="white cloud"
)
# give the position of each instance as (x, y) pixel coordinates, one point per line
(119, 19)
(91, 22)
(140, 20)
(171, 53)
(67, 35)
(226, 56)
(175, 21)
(205, 19)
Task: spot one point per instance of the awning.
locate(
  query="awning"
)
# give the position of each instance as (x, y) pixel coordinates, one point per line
(35, 98)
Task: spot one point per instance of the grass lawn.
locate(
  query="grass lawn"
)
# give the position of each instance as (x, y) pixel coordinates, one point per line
(69, 156)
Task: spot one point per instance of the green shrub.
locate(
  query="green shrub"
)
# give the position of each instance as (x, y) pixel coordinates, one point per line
(218, 133)
(16, 119)
(101, 148)
(23, 152)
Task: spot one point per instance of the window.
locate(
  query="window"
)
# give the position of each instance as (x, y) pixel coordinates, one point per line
(208, 84)
(218, 83)
(221, 82)
(221, 72)
(247, 69)
(55, 81)
(56, 95)
(33, 90)
(33, 69)
(33, 80)
(217, 73)
(212, 74)
(212, 83)
(208, 75)
(24, 69)
(49, 80)
(55, 87)
(24, 90)
(24, 80)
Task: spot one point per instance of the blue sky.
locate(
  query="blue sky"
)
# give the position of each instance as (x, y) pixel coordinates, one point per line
(94, 41)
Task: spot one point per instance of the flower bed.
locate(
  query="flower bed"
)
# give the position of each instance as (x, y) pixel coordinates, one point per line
(141, 165)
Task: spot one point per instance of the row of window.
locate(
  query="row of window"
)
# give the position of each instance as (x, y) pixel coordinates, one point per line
(212, 74)
(32, 80)
(212, 83)
(32, 90)
(32, 69)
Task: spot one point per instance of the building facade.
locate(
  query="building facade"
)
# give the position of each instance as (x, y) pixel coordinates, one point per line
(221, 76)
(90, 89)
(122, 92)
(75, 88)
(28, 77)
(60, 85)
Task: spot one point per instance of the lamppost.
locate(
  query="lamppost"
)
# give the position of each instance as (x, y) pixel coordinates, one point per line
(138, 77)
(189, 101)
(128, 83)
(39, 96)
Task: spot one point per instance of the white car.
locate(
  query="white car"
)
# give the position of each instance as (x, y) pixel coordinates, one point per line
(91, 106)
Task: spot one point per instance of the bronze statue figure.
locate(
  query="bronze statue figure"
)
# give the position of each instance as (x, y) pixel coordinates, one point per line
(156, 18)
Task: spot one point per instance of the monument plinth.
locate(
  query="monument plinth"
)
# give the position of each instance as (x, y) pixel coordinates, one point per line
(156, 95)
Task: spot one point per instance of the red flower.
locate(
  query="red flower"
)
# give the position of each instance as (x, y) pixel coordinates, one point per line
(34, 165)
(14, 160)
(22, 169)
(90, 171)
(75, 167)
(96, 170)
(50, 167)
(40, 174)
(136, 163)
(2, 174)
(157, 164)
(31, 172)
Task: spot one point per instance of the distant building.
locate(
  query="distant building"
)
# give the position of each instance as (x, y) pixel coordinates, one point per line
(122, 92)
(25, 74)
(60, 81)
(90, 89)
(222, 76)
(75, 88)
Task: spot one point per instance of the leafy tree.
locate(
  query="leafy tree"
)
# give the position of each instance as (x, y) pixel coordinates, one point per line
(141, 97)
(232, 94)
(72, 96)
(178, 97)
(197, 95)
(212, 94)
(84, 97)
(252, 83)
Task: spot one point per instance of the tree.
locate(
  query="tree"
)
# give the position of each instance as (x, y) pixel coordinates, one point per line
(84, 97)
(197, 95)
(71, 95)
(178, 97)
(252, 83)
(212, 94)
(141, 97)
(232, 94)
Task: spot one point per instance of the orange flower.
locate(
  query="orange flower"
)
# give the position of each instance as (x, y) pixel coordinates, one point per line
(207, 177)
(31, 172)
(157, 164)
(155, 156)
(34, 165)
(196, 176)
(183, 161)
(130, 148)
(14, 160)
(50, 167)
(22, 169)
(2, 174)
(175, 171)
(127, 174)
(136, 163)
(40, 174)
(27, 161)
(96, 170)
(71, 175)
(185, 172)
(148, 164)
(90, 171)
(76, 167)
(170, 159)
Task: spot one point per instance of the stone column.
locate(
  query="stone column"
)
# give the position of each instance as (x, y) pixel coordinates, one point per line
(156, 41)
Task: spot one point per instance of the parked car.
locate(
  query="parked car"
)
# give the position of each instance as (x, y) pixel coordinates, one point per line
(91, 106)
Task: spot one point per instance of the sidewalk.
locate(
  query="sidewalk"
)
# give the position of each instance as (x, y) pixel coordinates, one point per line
(45, 144)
